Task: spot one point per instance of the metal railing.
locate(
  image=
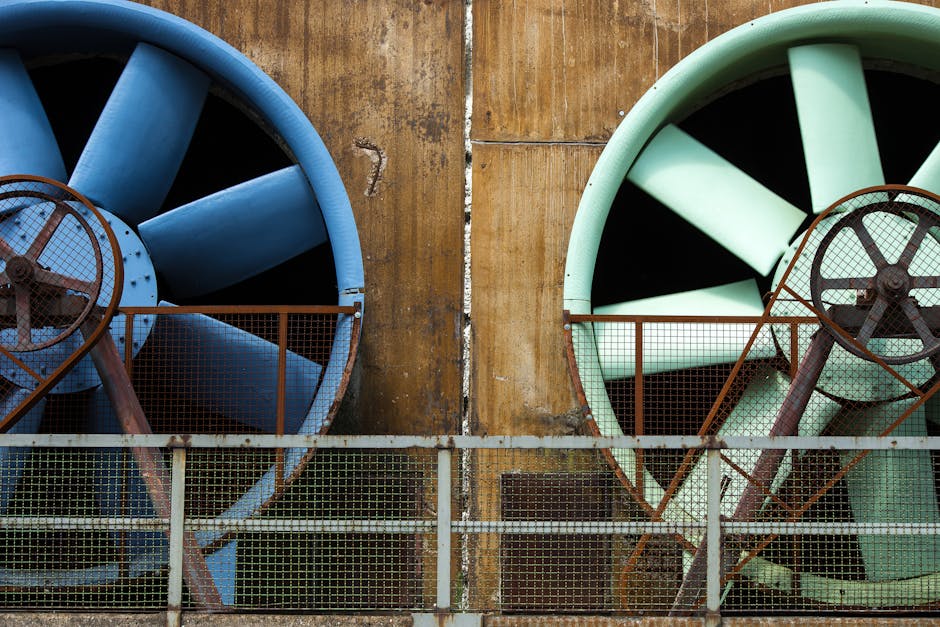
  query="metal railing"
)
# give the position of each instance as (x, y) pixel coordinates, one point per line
(450, 571)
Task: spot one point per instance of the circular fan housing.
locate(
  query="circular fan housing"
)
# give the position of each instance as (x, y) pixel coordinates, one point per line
(219, 191)
(727, 159)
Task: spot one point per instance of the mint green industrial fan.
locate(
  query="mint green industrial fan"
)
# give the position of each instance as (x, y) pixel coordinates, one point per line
(826, 53)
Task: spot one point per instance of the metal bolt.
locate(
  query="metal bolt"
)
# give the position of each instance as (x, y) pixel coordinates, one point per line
(567, 327)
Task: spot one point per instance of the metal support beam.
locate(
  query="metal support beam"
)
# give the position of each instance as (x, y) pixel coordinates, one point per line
(713, 532)
(174, 595)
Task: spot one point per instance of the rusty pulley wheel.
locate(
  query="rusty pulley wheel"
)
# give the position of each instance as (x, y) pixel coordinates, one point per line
(877, 273)
(52, 271)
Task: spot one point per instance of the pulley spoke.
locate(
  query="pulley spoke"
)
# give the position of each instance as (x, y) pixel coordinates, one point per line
(913, 245)
(869, 244)
(24, 336)
(871, 320)
(848, 283)
(45, 234)
(925, 282)
(920, 325)
(60, 280)
(6, 252)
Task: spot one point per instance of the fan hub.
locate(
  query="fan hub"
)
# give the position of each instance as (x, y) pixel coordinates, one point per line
(139, 290)
(893, 282)
(890, 219)
(877, 225)
(20, 270)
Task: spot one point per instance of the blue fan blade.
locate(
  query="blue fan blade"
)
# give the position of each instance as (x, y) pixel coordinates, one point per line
(231, 372)
(119, 488)
(28, 145)
(235, 234)
(222, 564)
(12, 459)
(141, 136)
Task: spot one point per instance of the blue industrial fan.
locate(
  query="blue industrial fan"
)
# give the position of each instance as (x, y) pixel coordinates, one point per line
(220, 244)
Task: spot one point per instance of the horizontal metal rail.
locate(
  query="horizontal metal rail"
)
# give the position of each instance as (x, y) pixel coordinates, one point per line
(442, 523)
(240, 309)
(633, 318)
(266, 441)
(83, 523)
(343, 525)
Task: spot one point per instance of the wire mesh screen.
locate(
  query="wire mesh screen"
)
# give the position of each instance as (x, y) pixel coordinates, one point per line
(554, 531)
(346, 535)
(216, 370)
(780, 376)
(233, 371)
(69, 538)
(535, 528)
(859, 544)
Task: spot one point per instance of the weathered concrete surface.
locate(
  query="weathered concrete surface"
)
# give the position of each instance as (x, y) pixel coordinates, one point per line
(56, 619)
(158, 619)
(275, 620)
(62, 619)
(665, 621)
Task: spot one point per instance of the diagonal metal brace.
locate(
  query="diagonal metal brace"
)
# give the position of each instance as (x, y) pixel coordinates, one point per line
(692, 590)
(131, 416)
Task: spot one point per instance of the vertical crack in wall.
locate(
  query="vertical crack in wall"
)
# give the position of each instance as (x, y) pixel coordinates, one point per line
(466, 427)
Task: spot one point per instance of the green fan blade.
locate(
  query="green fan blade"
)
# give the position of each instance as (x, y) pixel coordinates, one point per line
(928, 174)
(893, 487)
(838, 133)
(715, 196)
(679, 345)
(753, 415)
